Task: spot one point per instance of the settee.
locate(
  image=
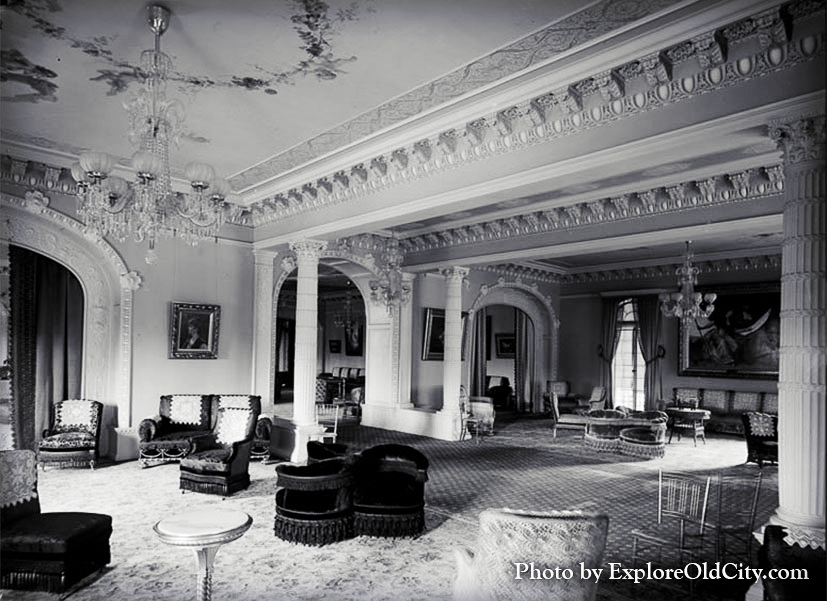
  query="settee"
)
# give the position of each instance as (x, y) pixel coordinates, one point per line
(339, 382)
(726, 406)
(183, 420)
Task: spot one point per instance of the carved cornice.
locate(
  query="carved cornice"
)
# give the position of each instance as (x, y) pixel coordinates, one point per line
(751, 48)
(727, 188)
(755, 264)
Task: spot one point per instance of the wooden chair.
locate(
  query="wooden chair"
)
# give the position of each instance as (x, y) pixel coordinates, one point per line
(480, 421)
(681, 519)
(327, 416)
(597, 400)
(737, 504)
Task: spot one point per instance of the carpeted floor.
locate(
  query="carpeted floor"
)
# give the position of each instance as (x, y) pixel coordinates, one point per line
(521, 467)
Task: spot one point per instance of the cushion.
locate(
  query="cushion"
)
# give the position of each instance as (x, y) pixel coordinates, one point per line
(186, 409)
(746, 401)
(716, 401)
(57, 533)
(761, 424)
(211, 460)
(67, 441)
(770, 404)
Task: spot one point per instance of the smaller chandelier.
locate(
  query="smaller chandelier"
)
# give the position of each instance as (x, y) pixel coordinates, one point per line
(687, 304)
(391, 289)
(148, 207)
(346, 320)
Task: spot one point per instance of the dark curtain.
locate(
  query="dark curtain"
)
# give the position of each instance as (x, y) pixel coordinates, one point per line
(46, 340)
(608, 346)
(479, 365)
(649, 318)
(524, 361)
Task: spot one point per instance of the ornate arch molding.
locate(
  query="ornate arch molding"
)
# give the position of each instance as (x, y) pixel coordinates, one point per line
(529, 299)
(108, 289)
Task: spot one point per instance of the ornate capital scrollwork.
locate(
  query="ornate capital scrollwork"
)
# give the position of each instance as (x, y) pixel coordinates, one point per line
(308, 250)
(801, 140)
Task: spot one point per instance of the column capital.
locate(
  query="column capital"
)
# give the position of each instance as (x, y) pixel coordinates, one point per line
(800, 140)
(308, 249)
(264, 257)
(455, 272)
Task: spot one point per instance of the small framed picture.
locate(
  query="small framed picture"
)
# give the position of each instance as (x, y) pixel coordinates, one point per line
(335, 346)
(506, 346)
(193, 331)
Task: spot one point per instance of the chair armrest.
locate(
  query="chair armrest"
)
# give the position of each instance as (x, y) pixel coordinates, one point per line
(148, 428)
(239, 459)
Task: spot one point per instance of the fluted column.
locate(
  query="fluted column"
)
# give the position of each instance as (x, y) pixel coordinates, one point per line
(801, 379)
(263, 327)
(307, 312)
(452, 342)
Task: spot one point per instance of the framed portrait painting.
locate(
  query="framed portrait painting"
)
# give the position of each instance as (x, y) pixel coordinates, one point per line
(433, 334)
(193, 331)
(739, 340)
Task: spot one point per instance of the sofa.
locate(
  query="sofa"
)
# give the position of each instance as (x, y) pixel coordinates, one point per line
(339, 382)
(726, 406)
(182, 421)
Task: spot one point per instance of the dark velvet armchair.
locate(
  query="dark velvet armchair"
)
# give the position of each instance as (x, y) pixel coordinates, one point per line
(44, 551)
(314, 502)
(74, 437)
(499, 389)
(220, 463)
(172, 434)
(761, 432)
(777, 553)
(389, 497)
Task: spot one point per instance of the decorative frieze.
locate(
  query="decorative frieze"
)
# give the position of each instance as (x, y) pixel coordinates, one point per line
(707, 63)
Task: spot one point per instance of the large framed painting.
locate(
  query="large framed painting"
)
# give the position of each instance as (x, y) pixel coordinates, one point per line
(739, 340)
(433, 334)
(193, 331)
(354, 340)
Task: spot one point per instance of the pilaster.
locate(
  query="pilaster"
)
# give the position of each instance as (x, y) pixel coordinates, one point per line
(452, 358)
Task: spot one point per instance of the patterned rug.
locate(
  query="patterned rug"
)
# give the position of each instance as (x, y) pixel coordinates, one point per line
(522, 467)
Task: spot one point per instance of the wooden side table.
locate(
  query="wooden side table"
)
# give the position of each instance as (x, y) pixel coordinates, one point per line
(204, 531)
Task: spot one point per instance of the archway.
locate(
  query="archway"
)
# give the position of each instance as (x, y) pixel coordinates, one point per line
(540, 312)
(108, 289)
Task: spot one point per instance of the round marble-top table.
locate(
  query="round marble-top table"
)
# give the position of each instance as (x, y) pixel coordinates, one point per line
(204, 530)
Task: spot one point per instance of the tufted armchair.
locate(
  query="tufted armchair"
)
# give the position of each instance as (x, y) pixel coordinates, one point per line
(389, 496)
(220, 463)
(508, 540)
(74, 437)
(44, 551)
(171, 435)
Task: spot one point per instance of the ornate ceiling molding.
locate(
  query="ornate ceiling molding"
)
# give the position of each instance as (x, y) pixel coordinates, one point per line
(752, 264)
(751, 48)
(743, 186)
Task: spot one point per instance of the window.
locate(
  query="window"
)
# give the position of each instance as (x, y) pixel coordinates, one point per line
(628, 366)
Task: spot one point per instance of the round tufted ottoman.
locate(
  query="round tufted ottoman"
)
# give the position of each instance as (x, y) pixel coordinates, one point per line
(643, 442)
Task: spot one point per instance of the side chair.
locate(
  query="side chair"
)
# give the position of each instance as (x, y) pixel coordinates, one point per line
(681, 518)
(737, 502)
(74, 436)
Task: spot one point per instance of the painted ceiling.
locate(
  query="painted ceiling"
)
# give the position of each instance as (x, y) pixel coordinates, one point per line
(296, 101)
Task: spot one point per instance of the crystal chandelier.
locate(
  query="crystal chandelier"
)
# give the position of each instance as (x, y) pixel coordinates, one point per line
(687, 304)
(346, 320)
(149, 207)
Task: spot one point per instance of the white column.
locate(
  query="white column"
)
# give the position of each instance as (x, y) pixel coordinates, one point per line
(452, 358)
(262, 383)
(801, 378)
(404, 328)
(304, 379)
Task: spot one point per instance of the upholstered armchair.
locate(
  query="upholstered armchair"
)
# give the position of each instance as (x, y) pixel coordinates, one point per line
(499, 389)
(220, 463)
(761, 432)
(74, 437)
(389, 497)
(778, 553)
(511, 542)
(44, 551)
(172, 434)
